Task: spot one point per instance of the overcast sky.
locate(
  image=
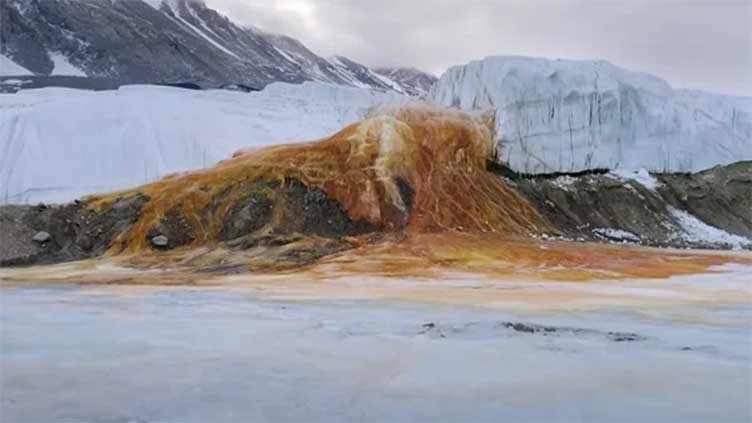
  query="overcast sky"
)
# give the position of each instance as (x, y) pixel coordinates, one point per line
(704, 44)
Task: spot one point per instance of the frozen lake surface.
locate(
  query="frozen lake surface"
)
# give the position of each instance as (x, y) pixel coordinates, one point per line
(179, 354)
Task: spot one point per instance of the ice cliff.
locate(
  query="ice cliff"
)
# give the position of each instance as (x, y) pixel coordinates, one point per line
(562, 115)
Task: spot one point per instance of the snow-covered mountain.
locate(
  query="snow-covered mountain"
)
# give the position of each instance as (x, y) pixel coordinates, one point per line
(562, 115)
(57, 144)
(412, 81)
(160, 41)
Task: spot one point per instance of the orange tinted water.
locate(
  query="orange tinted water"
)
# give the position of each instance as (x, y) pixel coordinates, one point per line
(433, 254)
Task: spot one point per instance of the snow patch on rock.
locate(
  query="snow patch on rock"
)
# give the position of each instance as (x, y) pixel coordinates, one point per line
(565, 182)
(156, 4)
(617, 234)
(11, 68)
(641, 176)
(696, 231)
(63, 67)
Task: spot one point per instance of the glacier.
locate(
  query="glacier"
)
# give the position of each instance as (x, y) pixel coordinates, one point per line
(364, 349)
(59, 144)
(566, 115)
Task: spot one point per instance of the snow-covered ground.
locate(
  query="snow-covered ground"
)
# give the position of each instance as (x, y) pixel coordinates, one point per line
(641, 176)
(679, 350)
(59, 144)
(695, 230)
(563, 115)
(11, 68)
(62, 66)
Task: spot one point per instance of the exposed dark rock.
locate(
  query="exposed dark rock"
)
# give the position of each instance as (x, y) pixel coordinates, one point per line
(76, 231)
(247, 215)
(271, 215)
(625, 337)
(720, 196)
(183, 43)
(7, 84)
(407, 194)
(528, 328)
(596, 206)
(101, 228)
(277, 214)
(492, 329)
(174, 228)
(310, 211)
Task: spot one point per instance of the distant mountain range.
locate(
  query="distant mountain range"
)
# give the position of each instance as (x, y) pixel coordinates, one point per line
(170, 41)
(550, 115)
(411, 80)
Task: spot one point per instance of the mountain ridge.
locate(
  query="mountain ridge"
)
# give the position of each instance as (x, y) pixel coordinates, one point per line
(169, 41)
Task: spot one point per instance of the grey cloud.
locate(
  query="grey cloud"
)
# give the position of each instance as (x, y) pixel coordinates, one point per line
(704, 44)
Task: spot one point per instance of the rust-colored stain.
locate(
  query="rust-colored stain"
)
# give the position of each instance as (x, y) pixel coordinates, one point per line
(514, 258)
(456, 217)
(440, 155)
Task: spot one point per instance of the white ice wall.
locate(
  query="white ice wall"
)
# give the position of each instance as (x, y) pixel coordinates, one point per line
(560, 115)
(59, 144)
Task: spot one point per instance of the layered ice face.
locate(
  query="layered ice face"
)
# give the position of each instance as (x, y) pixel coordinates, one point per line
(564, 115)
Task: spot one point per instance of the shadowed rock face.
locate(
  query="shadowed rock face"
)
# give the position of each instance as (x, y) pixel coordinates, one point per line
(76, 232)
(721, 196)
(247, 215)
(271, 214)
(589, 205)
(181, 42)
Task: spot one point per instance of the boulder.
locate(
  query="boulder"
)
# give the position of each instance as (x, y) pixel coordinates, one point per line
(160, 241)
(41, 237)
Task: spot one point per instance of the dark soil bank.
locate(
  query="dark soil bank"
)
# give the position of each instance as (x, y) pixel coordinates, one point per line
(272, 213)
(595, 206)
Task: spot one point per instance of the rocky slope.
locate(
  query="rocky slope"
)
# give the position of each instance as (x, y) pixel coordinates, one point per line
(708, 209)
(399, 175)
(171, 41)
(415, 170)
(566, 116)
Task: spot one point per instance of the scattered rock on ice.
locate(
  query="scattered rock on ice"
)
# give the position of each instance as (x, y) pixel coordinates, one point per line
(493, 329)
(616, 234)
